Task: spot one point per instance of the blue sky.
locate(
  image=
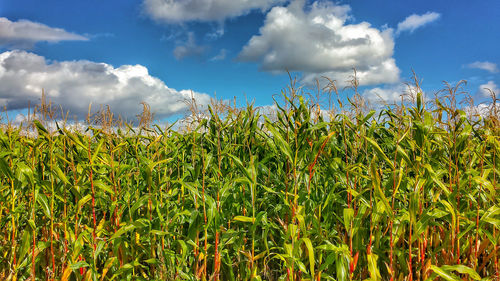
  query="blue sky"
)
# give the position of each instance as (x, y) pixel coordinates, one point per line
(163, 51)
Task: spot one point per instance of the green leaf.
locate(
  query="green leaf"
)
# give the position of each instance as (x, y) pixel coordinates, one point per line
(78, 265)
(444, 274)
(75, 139)
(41, 129)
(403, 155)
(83, 201)
(379, 151)
(104, 187)
(278, 138)
(139, 203)
(24, 171)
(95, 153)
(31, 223)
(25, 245)
(379, 193)
(462, 269)
(124, 229)
(241, 167)
(61, 175)
(4, 167)
(373, 267)
(159, 232)
(42, 200)
(184, 249)
(100, 246)
(341, 268)
(310, 251)
(244, 219)
(151, 261)
(348, 218)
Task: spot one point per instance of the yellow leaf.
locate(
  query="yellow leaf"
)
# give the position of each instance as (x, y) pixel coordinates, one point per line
(66, 273)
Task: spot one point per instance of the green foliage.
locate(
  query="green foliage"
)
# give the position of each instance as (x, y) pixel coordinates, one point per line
(295, 196)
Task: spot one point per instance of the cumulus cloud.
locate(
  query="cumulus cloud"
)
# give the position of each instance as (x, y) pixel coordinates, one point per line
(412, 22)
(384, 95)
(485, 89)
(484, 65)
(24, 34)
(484, 110)
(391, 94)
(176, 11)
(385, 72)
(189, 48)
(76, 84)
(319, 42)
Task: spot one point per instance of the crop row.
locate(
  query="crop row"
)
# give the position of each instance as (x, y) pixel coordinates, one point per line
(407, 194)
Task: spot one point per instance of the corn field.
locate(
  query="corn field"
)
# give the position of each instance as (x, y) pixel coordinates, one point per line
(407, 192)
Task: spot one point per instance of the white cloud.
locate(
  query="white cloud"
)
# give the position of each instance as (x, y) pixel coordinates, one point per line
(189, 48)
(484, 65)
(50, 125)
(484, 110)
(384, 95)
(385, 72)
(391, 94)
(483, 89)
(220, 56)
(415, 21)
(25, 33)
(176, 11)
(319, 42)
(76, 84)
(216, 32)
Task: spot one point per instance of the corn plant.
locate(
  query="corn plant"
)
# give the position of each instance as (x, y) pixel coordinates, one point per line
(407, 192)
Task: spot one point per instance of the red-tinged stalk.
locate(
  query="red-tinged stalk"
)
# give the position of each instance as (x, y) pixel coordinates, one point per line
(52, 195)
(150, 202)
(391, 223)
(295, 204)
(410, 263)
(476, 244)
(91, 178)
(311, 166)
(114, 219)
(391, 253)
(13, 220)
(219, 164)
(65, 215)
(252, 187)
(347, 186)
(352, 265)
(393, 199)
(33, 199)
(47, 256)
(457, 238)
(496, 247)
(204, 211)
(75, 180)
(450, 178)
(346, 167)
(197, 239)
(216, 257)
(13, 223)
(471, 247)
(424, 249)
(457, 183)
(286, 187)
